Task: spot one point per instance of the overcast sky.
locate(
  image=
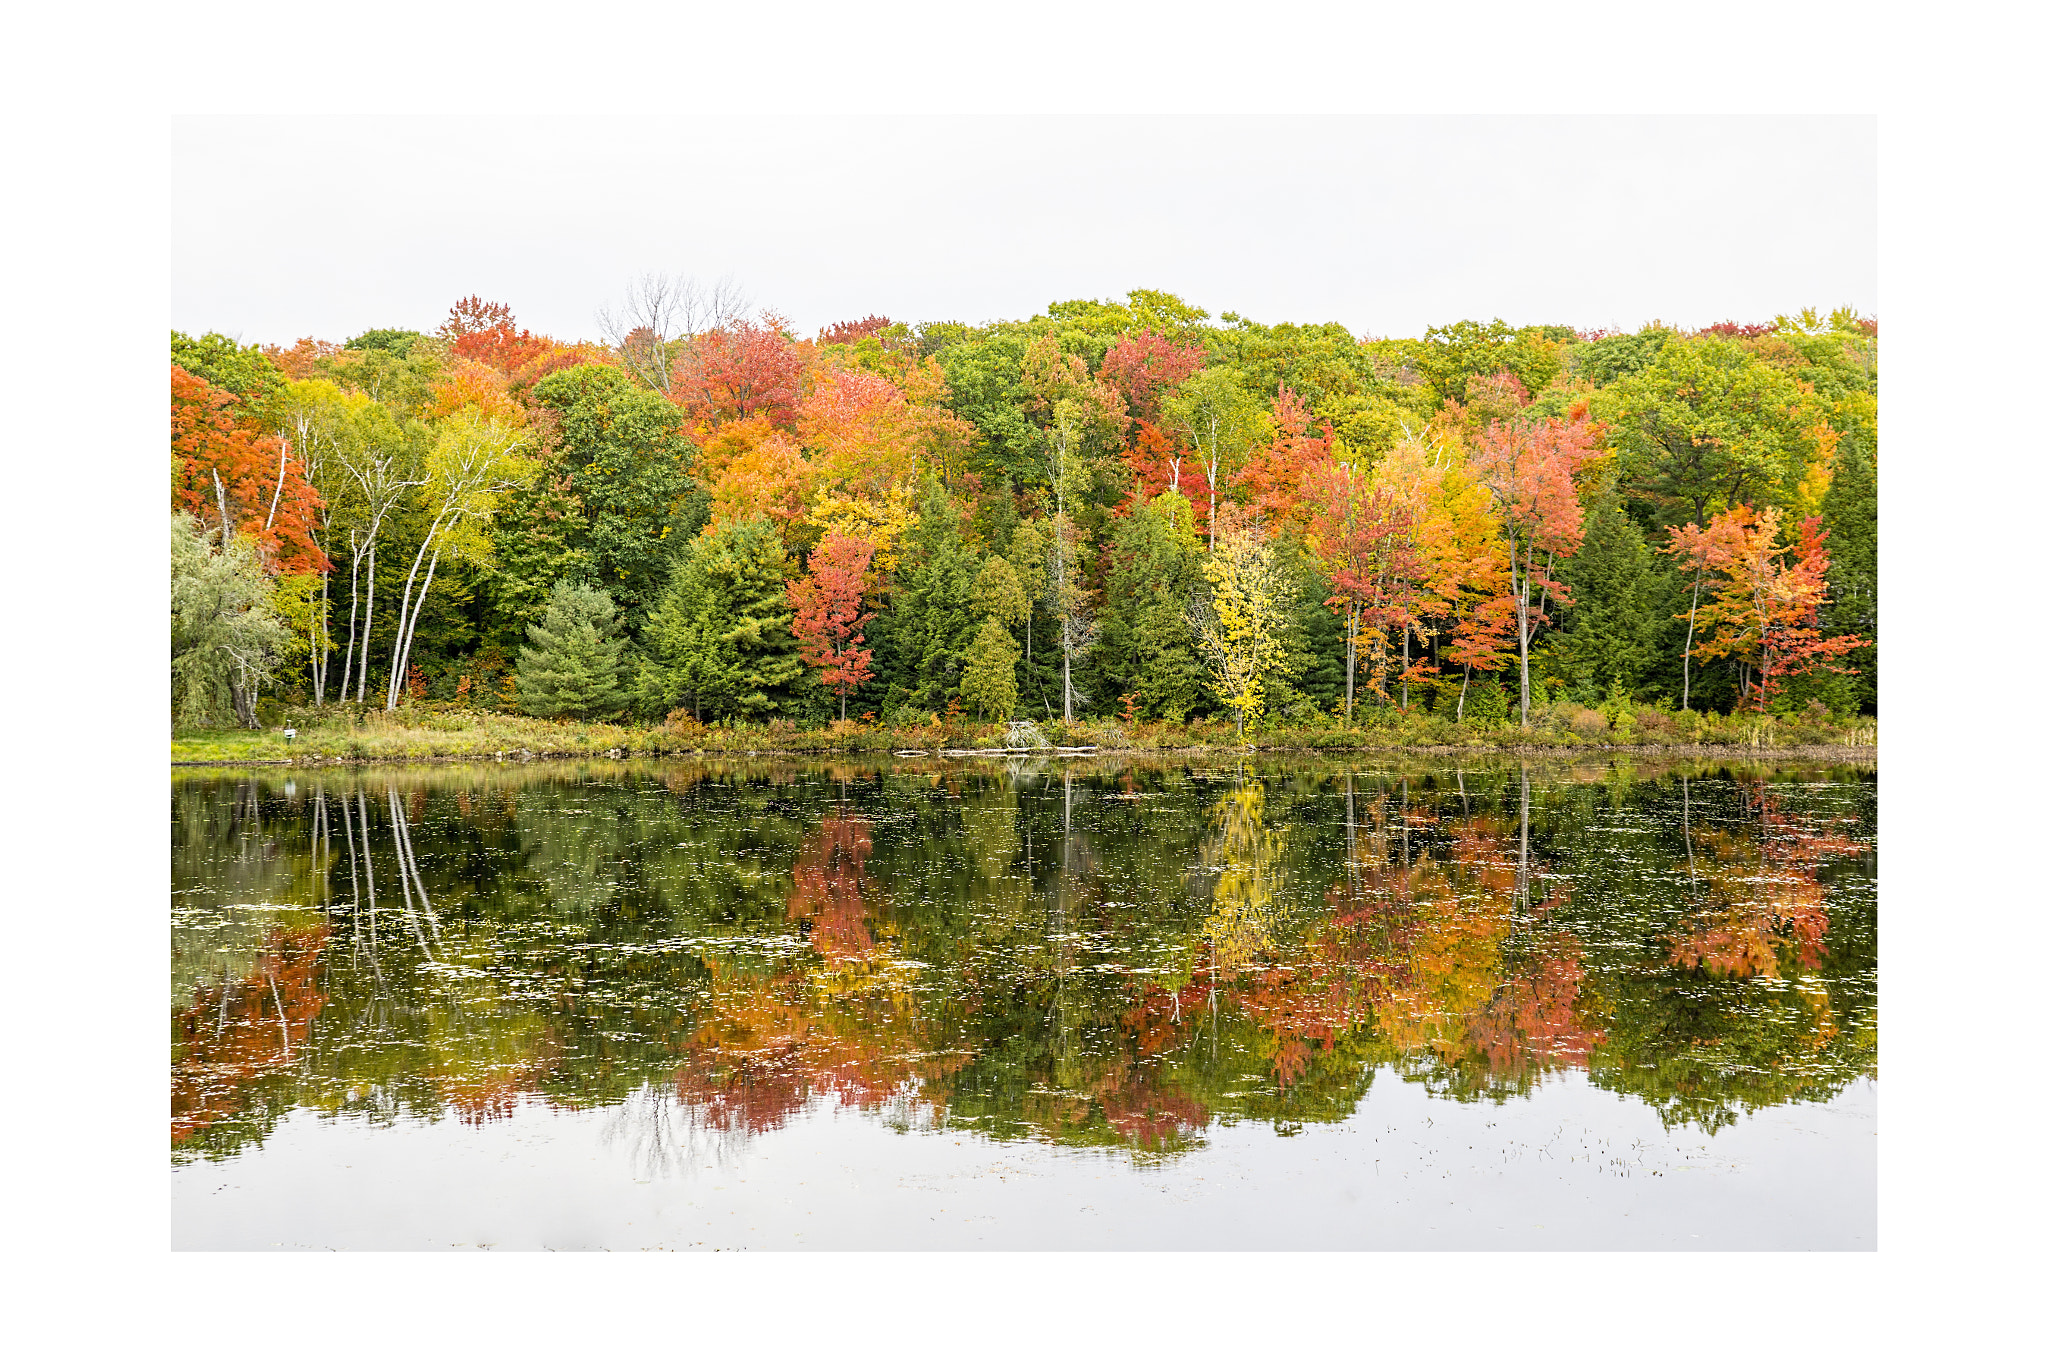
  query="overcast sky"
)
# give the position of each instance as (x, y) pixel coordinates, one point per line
(1384, 225)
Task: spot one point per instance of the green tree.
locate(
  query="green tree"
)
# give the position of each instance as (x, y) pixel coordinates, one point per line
(719, 641)
(625, 457)
(1849, 511)
(242, 370)
(572, 665)
(1706, 427)
(1611, 632)
(1221, 422)
(988, 684)
(1450, 357)
(933, 617)
(225, 636)
(1147, 648)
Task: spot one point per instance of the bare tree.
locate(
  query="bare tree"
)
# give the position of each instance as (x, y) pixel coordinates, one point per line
(659, 311)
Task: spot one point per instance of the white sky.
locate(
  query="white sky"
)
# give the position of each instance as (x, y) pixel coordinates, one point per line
(1384, 225)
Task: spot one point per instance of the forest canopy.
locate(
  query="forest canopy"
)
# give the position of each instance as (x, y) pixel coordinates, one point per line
(1115, 507)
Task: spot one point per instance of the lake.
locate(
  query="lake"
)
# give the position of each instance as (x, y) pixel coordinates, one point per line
(1374, 1002)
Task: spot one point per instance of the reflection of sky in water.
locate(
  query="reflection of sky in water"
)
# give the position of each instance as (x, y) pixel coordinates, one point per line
(662, 974)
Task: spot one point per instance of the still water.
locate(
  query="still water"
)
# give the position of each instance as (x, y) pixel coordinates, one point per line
(771, 1004)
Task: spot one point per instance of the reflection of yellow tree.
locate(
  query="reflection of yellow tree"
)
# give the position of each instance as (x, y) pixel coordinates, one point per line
(1245, 857)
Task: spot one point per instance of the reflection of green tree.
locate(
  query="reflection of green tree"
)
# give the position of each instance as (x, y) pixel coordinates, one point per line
(1022, 952)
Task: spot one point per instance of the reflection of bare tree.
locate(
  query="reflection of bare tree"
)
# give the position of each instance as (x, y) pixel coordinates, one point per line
(665, 1136)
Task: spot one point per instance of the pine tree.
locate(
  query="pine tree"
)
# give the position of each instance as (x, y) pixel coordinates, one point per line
(719, 641)
(988, 684)
(571, 665)
(934, 618)
(1147, 648)
(1610, 633)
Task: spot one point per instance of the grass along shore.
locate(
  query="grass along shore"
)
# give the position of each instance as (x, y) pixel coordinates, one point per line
(432, 731)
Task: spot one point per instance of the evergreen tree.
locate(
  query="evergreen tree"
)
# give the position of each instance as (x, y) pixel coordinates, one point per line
(719, 641)
(1608, 637)
(1849, 512)
(934, 618)
(988, 684)
(571, 665)
(1147, 649)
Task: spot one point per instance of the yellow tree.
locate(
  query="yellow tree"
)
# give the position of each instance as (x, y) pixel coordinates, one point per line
(1237, 627)
(474, 464)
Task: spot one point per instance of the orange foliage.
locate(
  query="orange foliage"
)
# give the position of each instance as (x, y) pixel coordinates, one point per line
(256, 471)
(232, 1035)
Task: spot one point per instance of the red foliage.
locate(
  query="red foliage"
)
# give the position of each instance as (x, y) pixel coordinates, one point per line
(829, 616)
(233, 1034)
(1740, 331)
(1158, 464)
(846, 333)
(488, 334)
(745, 370)
(1272, 479)
(256, 473)
(1766, 612)
(1144, 366)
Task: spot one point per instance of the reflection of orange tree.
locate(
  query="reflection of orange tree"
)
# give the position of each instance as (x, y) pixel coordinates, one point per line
(840, 1025)
(235, 1034)
(1450, 989)
(1764, 904)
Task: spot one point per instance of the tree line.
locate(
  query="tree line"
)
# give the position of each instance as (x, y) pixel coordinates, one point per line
(1123, 508)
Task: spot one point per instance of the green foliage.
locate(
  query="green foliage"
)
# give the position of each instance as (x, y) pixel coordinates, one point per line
(1147, 648)
(1708, 425)
(572, 665)
(1849, 513)
(625, 457)
(1450, 357)
(934, 617)
(220, 360)
(397, 341)
(225, 636)
(988, 684)
(1609, 636)
(1487, 701)
(718, 642)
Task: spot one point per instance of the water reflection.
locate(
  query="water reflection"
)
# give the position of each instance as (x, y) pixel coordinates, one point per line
(1095, 954)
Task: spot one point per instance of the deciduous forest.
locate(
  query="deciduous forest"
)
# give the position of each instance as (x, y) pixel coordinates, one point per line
(1123, 514)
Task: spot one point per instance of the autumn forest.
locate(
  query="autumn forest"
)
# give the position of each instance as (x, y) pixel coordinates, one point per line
(1122, 513)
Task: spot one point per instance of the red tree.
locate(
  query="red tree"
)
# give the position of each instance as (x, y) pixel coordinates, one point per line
(745, 370)
(1766, 614)
(829, 616)
(230, 475)
(1365, 540)
(1158, 464)
(488, 333)
(1144, 366)
(1531, 470)
(1272, 479)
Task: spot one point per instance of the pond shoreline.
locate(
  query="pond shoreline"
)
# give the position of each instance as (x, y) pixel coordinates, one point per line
(1853, 753)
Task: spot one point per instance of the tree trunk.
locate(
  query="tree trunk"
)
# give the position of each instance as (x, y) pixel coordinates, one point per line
(369, 616)
(1520, 588)
(1685, 704)
(1461, 693)
(227, 532)
(1350, 662)
(409, 627)
(284, 449)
